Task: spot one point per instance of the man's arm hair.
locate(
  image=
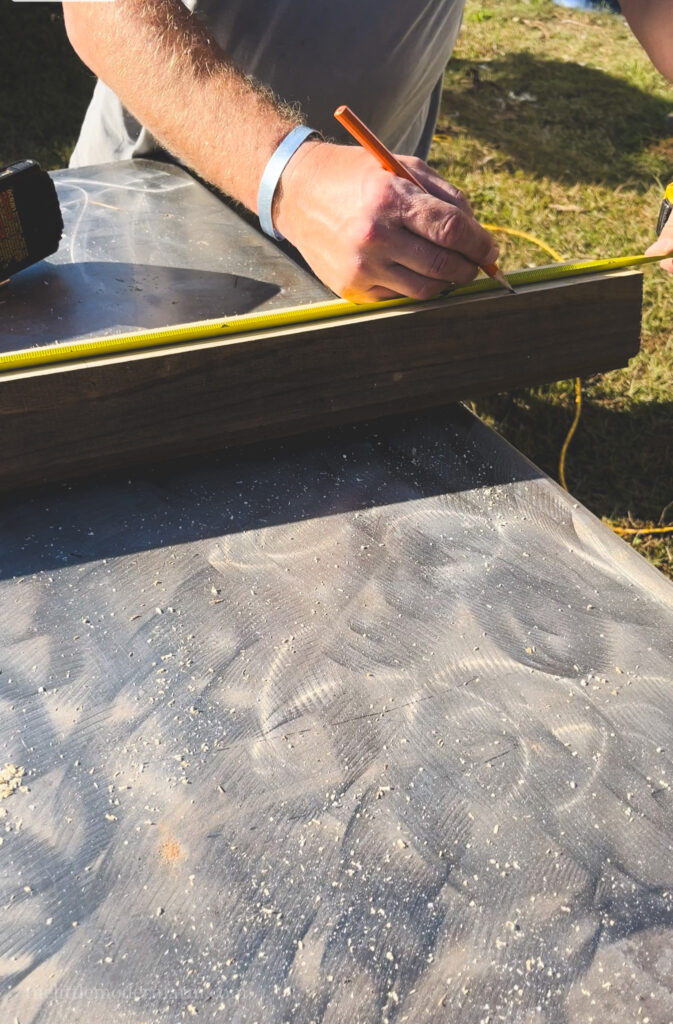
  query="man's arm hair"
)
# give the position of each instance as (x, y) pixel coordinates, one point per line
(651, 22)
(173, 77)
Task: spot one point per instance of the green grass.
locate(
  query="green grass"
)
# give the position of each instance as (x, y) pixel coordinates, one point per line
(554, 122)
(46, 88)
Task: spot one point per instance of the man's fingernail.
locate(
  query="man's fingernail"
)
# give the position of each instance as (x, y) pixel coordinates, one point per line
(493, 255)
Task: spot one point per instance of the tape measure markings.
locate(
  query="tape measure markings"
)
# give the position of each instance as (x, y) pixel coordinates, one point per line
(221, 327)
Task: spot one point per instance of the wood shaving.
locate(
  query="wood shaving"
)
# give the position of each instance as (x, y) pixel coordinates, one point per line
(10, 780)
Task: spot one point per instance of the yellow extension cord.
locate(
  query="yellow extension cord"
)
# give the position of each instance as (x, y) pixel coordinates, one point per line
(623, 531)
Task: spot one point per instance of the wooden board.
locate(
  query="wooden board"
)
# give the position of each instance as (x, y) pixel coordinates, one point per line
(71, 419)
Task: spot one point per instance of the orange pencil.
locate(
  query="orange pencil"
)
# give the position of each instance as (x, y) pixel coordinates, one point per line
(366, 138)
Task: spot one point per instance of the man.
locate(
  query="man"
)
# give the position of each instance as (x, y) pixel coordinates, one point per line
(219, 87)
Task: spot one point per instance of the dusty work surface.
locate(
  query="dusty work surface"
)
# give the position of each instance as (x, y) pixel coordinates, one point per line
(145, 245)
(371, 728)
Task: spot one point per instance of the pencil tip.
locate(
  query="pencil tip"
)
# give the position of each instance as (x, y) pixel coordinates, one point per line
(504, 282)
(494, 271)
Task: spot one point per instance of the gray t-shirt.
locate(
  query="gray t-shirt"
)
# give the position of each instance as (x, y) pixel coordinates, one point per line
(384, 58)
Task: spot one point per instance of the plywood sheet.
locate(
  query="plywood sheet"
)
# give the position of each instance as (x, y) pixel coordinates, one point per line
(375, 726)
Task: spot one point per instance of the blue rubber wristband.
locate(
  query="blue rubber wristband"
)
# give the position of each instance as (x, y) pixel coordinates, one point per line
(271, 176)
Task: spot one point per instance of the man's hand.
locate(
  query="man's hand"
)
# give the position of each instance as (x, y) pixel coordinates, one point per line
(663, 246)
(370, 235)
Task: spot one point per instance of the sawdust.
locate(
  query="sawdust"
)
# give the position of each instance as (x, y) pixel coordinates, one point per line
(10, 780)
(170, 850)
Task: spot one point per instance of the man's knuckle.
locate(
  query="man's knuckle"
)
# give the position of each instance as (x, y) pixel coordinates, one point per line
(452, 228)
(389, 194)
(356, 274)
(364, 233)
(414, 163)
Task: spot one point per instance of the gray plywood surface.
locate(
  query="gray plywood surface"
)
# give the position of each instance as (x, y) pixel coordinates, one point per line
(372, 726)
(145, 245)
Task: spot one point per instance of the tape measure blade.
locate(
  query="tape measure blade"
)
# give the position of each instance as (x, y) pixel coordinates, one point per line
(201, 330)
(198, 330)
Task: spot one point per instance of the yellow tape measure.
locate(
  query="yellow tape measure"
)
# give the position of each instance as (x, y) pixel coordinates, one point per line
(203, 330)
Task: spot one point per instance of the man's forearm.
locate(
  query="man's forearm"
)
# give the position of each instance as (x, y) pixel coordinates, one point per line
(162, 63)
(651, 21)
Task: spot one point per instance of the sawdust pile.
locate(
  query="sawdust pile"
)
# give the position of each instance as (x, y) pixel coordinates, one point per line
(10, 780)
